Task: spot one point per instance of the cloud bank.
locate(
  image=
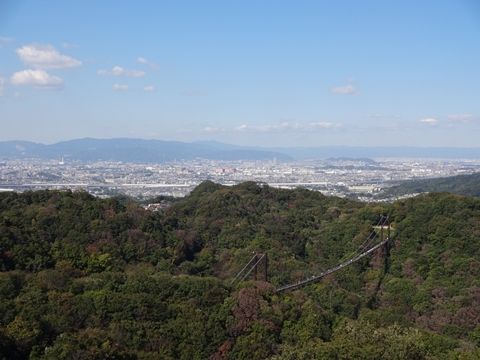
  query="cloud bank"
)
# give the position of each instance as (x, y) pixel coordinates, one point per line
(282, 127)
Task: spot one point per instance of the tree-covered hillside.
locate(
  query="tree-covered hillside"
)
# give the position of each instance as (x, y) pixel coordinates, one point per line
(468, 185)
(89, 278)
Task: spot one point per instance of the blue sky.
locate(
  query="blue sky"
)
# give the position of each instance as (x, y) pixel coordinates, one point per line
(272, 73)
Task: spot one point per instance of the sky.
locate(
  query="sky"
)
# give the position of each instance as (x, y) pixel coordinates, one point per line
(268, 73)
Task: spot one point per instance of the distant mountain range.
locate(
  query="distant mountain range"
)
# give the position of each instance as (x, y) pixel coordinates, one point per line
(134, 150)
(139, 150)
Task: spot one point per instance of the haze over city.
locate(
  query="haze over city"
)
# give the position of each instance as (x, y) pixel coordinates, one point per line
(269, 73)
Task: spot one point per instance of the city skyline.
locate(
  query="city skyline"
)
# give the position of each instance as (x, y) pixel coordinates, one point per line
(264, 74)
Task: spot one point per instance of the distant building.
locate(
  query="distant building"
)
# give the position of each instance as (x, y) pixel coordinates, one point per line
(157, 206)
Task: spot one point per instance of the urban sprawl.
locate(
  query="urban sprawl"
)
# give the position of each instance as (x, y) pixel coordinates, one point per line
(361, 178)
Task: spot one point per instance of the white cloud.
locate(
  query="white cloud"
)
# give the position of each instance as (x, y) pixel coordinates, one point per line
(461, 117)
(2, 85)
(286, 126)
(120, 71)
(429, 121)
(143, 61)
(120, 87)
(213, 130)
(36, 78)
(149, 88)
(45, 57)
(348, 89)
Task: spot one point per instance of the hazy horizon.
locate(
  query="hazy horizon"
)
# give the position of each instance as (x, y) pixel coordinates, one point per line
(266, 146)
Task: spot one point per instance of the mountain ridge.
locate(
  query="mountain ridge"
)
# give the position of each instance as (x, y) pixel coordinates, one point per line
(131, 150)
(154, 150)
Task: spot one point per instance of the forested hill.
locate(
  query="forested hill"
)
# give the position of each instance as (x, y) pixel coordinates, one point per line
(468, 185)
(89, 278)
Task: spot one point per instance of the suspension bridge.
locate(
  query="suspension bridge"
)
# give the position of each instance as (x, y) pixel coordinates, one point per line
(259, 261)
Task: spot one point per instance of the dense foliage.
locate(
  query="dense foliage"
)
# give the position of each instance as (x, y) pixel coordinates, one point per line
(89, 278)
(468, 185)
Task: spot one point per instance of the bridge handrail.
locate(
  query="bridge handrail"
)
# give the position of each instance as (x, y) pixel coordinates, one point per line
(332, 270)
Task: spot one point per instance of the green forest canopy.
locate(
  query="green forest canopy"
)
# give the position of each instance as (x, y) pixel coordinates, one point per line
(89, 278)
